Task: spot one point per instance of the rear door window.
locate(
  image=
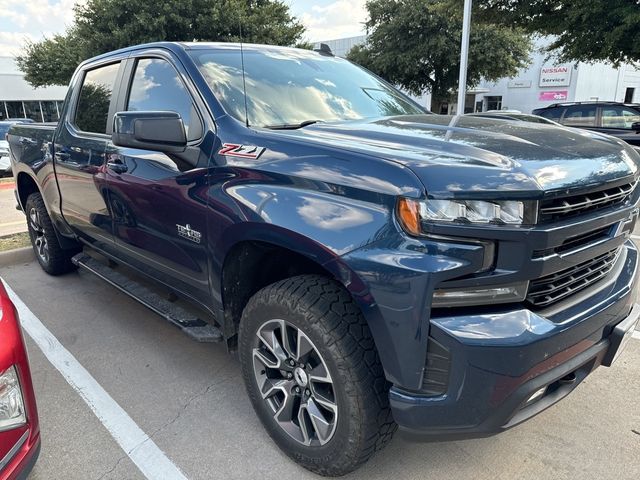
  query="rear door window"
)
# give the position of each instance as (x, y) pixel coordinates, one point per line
(95, 97)
(619, 117)
(580, 116)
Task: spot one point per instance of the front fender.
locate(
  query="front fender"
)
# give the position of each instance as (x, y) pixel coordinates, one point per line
(317, 225)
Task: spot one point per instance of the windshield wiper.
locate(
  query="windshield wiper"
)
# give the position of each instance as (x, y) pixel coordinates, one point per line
(291, 126)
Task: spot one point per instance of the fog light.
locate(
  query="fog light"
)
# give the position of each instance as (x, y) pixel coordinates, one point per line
(12, 414)
(457, 297)
(537, 395)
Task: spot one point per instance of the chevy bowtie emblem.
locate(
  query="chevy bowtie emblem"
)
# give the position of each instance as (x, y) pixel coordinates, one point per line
(242, 151)
(189, 233)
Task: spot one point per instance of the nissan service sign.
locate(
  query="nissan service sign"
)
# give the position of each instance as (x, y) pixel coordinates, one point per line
(555, 76)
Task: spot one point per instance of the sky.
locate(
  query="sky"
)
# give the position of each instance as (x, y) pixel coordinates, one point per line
(22, 20)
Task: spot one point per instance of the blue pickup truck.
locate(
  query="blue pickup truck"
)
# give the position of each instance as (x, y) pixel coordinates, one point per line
(373, 265)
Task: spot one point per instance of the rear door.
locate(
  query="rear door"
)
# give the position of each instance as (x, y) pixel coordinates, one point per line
(158, 201)
(617, 121)
(79, 152)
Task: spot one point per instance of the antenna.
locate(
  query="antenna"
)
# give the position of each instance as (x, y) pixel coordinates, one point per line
(244, 83)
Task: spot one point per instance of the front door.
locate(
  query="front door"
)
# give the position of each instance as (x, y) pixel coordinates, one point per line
(158, 200)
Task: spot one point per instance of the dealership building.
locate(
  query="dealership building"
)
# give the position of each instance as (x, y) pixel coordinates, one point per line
(18, 99)
(542, 83)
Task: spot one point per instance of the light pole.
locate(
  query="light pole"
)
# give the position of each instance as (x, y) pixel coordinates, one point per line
(464, 57)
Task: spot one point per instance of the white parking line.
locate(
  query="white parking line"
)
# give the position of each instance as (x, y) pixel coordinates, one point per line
(636, 335)
(142, 450)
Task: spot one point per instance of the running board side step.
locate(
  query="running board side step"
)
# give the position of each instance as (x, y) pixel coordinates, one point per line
(193, 326)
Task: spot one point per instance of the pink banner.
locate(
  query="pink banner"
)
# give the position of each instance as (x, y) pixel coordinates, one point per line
(553, 95)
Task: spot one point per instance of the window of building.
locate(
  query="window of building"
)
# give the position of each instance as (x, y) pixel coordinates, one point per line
(619, 117)
(32, 111)
(49, 111)
(628, 95)
(580, 116)
(14, 110)
(494, 103)
(92, 111)
(156, 86)
(37, 111)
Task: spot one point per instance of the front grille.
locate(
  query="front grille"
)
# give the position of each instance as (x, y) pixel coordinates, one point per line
(547, 290)
(574, 243)
(558, 208)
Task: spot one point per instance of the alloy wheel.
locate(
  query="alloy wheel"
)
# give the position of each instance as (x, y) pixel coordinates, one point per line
(295, 383)
(39, 238)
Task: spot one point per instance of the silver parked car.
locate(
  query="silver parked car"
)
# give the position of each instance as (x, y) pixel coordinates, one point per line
(5, 163)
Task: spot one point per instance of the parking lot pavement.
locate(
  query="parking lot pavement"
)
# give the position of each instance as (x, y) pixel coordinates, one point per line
(11, 220)
(190, 400)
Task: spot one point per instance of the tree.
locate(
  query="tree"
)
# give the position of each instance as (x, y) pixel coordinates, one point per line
(416, 44)
(104, 25)
(583, 31)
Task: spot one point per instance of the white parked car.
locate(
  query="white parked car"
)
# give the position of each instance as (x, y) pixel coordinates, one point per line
(5, 163)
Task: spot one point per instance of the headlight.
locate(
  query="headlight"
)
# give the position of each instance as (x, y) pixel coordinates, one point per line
(412, 212)
(12, 414)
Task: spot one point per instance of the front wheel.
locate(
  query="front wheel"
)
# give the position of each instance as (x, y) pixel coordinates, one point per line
(50, 255)
(313, 374)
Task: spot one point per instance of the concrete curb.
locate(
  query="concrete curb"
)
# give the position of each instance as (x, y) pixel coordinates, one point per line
(14, 257)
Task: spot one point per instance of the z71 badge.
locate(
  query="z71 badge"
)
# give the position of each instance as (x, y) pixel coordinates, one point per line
(242, 151)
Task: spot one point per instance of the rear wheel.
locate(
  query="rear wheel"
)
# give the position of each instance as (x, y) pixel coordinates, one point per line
(50, 255)
(313, 374)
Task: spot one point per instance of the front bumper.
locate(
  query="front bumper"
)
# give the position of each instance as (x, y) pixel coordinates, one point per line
(500, 358)
(19, 463)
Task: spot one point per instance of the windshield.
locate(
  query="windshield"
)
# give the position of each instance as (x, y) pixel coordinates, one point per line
(291, 86)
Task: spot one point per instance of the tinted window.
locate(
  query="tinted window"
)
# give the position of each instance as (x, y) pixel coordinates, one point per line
(619, 117)
(32, 111)
(289, 86)
(95, 96)
(554, 114)
(50, 111)
(580, 116)
(156, 86)
(14, 109)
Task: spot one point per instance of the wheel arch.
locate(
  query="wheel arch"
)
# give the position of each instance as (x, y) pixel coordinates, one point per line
(25, 186)
(272, 254)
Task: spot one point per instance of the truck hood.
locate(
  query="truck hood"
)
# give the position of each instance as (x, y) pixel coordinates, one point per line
(462, 155)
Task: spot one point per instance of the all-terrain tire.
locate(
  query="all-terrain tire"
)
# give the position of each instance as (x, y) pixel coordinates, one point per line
(324, 312)
(50, 255)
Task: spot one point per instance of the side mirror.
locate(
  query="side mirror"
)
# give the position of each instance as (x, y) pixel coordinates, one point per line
(635, 127)
(158, 131)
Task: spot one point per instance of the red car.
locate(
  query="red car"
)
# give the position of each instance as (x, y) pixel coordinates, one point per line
(19, 429)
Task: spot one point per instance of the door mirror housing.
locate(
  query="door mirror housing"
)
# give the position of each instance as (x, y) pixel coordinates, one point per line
(157, 131)
(635, 127)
